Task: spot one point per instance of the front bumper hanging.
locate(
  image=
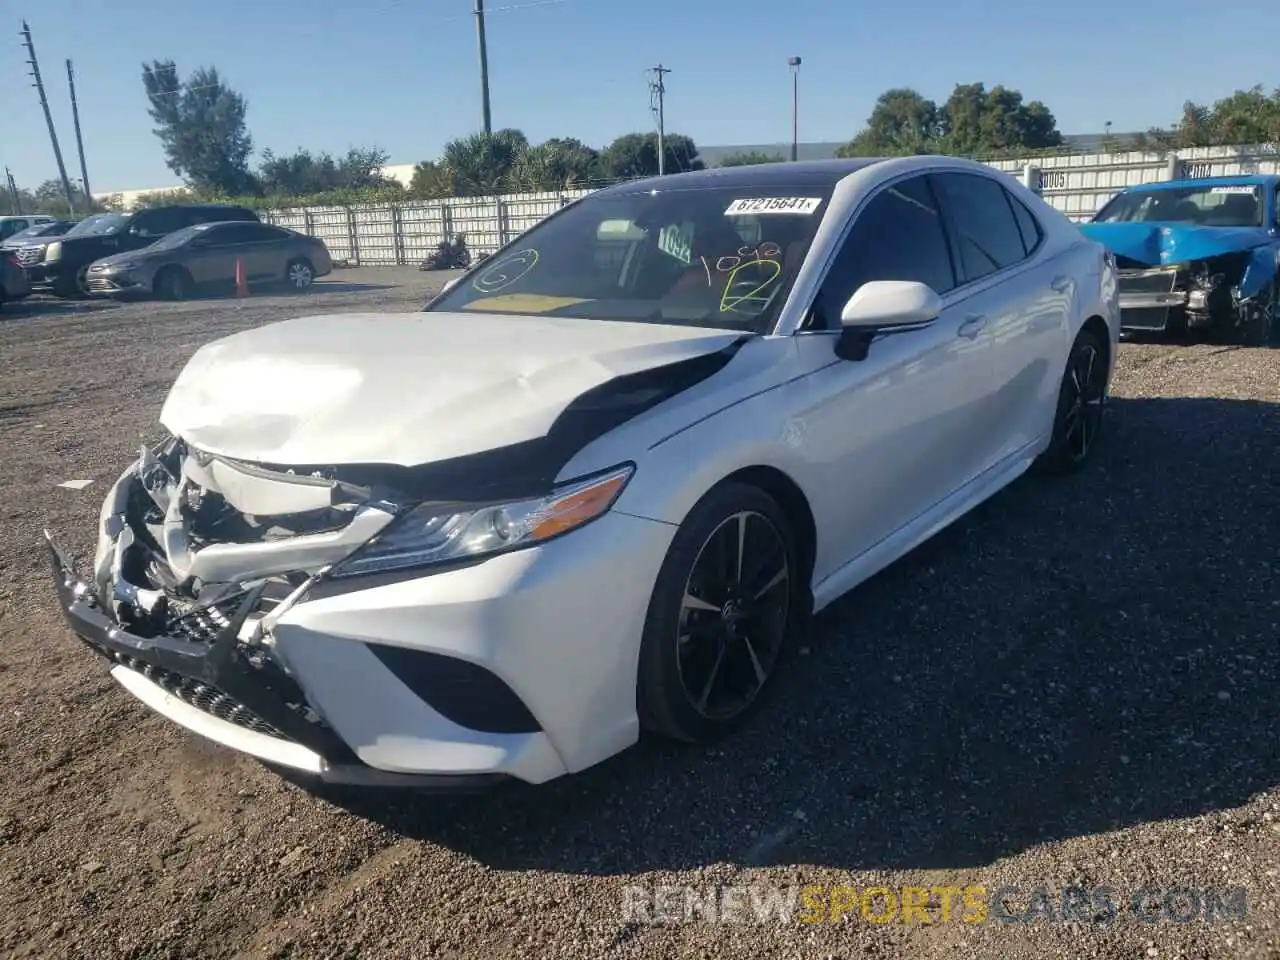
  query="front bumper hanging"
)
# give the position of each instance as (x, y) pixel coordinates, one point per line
(258, 707)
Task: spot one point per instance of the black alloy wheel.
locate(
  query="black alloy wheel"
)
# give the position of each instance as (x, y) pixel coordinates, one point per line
(723, 611)
(1081, 406)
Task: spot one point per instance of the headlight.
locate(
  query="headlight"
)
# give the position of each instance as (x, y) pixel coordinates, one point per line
(120, 267)
(437, 533)
(53, 251)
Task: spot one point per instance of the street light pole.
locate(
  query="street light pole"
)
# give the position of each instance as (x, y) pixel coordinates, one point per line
(794, 64)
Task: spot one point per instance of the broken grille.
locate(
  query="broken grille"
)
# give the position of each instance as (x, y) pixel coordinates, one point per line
(1147, 281)
(203, 697)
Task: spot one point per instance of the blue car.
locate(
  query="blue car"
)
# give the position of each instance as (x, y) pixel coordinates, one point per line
(1197, 256)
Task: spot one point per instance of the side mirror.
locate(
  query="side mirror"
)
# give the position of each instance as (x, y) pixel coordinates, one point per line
(884, 306)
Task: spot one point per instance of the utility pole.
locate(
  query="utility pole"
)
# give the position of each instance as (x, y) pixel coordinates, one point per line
(794, 64)
(48, 118)
(13, 191)
(484, 66)
(657, 96)
(75, 119)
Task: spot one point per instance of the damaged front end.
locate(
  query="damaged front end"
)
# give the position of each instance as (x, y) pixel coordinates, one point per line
(1218, 294)
(198, 557)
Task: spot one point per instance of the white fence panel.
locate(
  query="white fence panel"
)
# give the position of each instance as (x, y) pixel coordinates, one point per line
(405, 233)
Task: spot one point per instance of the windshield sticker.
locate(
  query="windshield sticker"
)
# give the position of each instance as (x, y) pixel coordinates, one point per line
(750, 285)
(798, 205)
(1231, 189)
(506, 271)
(523, 303)
(677, 241)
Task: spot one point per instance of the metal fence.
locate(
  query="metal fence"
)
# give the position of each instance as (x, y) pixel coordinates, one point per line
(405, 233)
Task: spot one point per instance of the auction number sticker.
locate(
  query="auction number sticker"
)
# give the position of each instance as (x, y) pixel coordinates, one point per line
(761, 205)
(677, 241)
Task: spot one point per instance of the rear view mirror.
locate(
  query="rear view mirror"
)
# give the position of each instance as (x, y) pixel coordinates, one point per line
(884, 306)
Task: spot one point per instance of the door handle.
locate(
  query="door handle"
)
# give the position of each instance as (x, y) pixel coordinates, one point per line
(972, 326)
(1060, 284)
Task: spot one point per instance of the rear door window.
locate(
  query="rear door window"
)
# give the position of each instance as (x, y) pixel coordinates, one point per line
(987, 231)
(1028, 225)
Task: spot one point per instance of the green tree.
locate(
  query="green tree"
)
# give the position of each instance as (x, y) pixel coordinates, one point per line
(901, 122)
(557, 164)
(635, 155)
(750, 158)
(484, 164)
(430, 181)
(1246, 116)
(51, 200)
(302, 173)
(974, 120)
(201, 125)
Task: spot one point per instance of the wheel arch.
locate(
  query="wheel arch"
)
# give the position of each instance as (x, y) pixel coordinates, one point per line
(1098, 326)
(795, 506)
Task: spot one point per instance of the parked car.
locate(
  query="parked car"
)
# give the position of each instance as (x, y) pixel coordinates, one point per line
(601, 482)
(13, 279)
(46, 228)
(9, 225)
(204, 257)
(62, 264)
(1197, 255)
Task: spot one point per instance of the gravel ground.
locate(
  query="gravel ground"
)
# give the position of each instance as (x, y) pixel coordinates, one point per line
(1074, 685)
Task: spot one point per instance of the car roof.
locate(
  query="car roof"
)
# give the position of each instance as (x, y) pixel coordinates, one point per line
(816, 173)
(1243, 180)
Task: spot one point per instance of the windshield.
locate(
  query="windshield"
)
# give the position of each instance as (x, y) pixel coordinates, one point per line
(39, 230)
(98, 224)
(716, 257)
(1207, 206)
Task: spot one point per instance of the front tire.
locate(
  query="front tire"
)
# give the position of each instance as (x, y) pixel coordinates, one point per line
(299, 274)
(1077, 423)
(726, 603)
(1263, 327)
(173, 283)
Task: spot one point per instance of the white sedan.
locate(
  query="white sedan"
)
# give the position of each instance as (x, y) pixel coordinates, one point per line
(601, 482)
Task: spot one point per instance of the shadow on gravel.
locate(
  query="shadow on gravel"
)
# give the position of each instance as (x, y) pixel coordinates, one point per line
(1076, 656)
(30, 307)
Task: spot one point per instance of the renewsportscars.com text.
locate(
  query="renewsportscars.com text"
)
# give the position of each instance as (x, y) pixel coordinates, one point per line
(973, 904)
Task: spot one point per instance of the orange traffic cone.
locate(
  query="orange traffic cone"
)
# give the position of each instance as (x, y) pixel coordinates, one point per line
(242, 285)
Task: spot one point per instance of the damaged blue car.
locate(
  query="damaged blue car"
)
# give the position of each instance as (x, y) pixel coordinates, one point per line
(1197, 256)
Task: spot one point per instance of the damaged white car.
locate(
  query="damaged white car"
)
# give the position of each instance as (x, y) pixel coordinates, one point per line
(601, 482)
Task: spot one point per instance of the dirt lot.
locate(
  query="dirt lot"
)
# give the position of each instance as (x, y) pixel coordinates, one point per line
(1076, 685)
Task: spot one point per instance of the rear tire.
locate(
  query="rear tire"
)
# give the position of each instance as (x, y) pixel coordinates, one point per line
(73, 288)
(1077, 424)
(172, 283)
(726, 603)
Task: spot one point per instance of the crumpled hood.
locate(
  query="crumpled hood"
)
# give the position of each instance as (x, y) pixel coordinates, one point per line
(1155, 244)
(406, 389)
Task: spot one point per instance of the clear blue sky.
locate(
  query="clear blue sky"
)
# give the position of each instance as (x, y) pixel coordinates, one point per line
(402, 74)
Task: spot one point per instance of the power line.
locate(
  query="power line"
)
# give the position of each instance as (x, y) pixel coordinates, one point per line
(657, 96)
(48, 117)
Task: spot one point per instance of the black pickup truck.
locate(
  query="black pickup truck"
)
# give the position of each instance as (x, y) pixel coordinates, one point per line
(61, 263)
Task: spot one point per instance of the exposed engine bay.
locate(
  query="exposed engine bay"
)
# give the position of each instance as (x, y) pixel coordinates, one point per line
(1202, 295)
(185, 532)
